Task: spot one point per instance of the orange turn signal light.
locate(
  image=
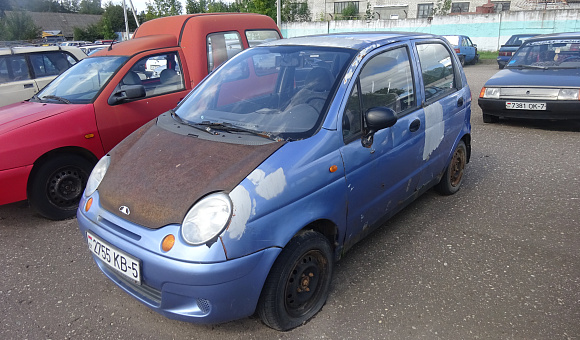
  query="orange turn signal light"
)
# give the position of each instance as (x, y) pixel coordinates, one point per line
(89, 135)
(333, 168)
(89, 203)
(168, 242)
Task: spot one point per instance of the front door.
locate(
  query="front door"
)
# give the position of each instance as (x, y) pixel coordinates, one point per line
(380, 177)
(164, 86)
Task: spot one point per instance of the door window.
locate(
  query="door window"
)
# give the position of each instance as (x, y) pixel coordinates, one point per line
(437, 70)
(159, 74)
(13, 68)
(385, 81)
(50, 63)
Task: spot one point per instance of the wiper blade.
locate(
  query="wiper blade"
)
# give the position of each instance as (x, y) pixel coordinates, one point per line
(60, 99)
(229, 127)
(529, 66)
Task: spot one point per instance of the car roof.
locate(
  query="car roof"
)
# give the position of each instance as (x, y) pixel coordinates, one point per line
(565, 35)
(32, 49)
(355, 40)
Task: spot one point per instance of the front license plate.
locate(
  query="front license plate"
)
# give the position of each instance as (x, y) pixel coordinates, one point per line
(121, 262)
(525, 106)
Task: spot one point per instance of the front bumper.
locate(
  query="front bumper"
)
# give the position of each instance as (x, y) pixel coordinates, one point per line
(186, 285)
(555, 109)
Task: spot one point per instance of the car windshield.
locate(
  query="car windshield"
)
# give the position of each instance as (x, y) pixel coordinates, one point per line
(553, 53)
(453, 39)
(81, 83)
(279, 91)
(517, 40)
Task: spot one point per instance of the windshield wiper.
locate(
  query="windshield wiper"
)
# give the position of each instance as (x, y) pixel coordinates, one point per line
(529, 66)
(229, 127)
(60, 99)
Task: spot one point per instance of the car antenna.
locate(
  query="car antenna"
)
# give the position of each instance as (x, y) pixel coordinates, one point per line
(111, 46)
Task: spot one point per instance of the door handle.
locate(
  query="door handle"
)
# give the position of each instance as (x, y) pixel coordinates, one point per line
(460, 102)
(415, 125)
(27, 86)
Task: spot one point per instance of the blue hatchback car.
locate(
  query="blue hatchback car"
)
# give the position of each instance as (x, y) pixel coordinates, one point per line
(465, 49)
(510, 47)
(242, 198)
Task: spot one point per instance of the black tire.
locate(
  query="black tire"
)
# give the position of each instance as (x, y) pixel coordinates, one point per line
(462, 60)
(56, 187)
(501, 66)
(453, 176)
(298, 283)
(490, 119)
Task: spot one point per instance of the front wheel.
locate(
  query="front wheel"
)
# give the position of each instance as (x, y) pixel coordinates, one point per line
(57, 185)
(453, 176)
(298, 283)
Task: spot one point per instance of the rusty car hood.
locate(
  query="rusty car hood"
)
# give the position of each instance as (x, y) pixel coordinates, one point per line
(159, 174)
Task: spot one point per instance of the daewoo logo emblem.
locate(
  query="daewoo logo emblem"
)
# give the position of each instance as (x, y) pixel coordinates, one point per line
(125, 210)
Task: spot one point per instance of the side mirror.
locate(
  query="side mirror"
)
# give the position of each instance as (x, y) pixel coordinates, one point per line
(475, 45)
(377, 118)
(126, 92)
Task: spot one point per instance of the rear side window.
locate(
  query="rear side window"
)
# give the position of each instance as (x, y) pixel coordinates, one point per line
(256, 37)
(221, 47)
(439, 78)
(13, 68)
(50, 63)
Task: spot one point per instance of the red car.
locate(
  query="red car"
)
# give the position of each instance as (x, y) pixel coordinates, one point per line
(51, 142)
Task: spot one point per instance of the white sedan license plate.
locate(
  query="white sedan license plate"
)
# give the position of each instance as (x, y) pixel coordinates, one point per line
(525, 106)
(121, 262)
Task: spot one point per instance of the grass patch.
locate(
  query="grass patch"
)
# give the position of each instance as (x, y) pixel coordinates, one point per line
(487, 55)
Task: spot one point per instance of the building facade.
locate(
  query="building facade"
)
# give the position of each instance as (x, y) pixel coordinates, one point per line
(411, 9)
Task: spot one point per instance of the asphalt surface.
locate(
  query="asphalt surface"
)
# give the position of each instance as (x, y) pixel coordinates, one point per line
(497, 260)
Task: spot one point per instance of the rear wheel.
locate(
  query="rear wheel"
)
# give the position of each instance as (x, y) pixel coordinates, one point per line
(56, 187)
(298, 283)
(453, 176)
(462, 60)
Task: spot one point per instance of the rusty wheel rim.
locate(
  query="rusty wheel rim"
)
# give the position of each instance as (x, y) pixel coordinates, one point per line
(456, 167)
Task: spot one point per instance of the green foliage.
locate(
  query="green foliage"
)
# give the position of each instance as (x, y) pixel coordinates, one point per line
(18, 25)
(369, 12)
(295, 11)
(116, 18)
(442, 7)
(349, 13)
(162, 8)
(266, 7)
(90, 7)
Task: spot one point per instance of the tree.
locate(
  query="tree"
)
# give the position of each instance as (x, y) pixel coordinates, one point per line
(116, 18)
(350, 12)
(18, 25)
(295, 11)
(442, 7)
(162, 8)
(90, 7)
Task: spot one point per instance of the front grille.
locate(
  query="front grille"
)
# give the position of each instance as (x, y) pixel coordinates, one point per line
(529, 93)
(147, 292)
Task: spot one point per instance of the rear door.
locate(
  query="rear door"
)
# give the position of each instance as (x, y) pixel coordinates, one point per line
(16, 83)
(445, 99)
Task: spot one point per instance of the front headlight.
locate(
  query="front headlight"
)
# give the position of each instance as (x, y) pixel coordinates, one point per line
(490, 92)
(568, 94)
(207, 219)
(97, 175)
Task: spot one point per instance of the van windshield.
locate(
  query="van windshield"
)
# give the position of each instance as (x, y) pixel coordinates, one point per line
(280, 91)
(81, 83)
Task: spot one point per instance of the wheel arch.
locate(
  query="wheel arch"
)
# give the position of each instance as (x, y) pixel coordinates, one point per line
(467, 140)
(328, 229)
(69, 150)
